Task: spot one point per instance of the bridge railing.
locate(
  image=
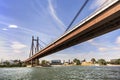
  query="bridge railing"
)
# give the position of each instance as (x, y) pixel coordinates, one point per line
(92, 15)
(95, 13)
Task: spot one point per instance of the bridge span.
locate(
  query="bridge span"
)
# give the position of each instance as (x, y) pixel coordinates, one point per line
(102, 21)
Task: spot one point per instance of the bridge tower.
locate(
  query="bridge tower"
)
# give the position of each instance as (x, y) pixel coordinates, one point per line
(35, 47)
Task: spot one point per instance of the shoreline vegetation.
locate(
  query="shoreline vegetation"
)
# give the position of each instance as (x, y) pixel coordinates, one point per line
(12, 63)
(55, 63)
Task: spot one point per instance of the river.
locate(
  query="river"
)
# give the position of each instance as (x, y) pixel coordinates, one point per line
(61, 73)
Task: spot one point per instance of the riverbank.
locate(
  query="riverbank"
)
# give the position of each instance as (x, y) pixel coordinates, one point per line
(112, 65)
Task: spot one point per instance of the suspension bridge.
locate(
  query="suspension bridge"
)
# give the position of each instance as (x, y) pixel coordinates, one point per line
(103, 20)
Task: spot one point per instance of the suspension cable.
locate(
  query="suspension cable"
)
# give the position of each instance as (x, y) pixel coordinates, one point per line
(43, 42)
(80, 10)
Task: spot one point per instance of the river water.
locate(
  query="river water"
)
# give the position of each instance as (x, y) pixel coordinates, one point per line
(61, 73)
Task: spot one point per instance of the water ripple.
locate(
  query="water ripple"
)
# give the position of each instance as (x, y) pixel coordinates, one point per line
(61, 73)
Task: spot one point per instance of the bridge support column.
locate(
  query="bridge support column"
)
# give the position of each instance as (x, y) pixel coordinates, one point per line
(29, 64)
(37, 62)
(32, 62)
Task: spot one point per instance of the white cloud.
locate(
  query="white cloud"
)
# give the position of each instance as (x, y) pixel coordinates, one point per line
(118, 40)
(64, 56)
(113, 48)
(17, 51)
(102, 49)
(54, 15)
(90, 41)
(105, 48)
(4, 29)
(17, 47)
(96, 44)
(13, 50)
(116, 48)
(88, 56)
(97, 3)
(13, 26)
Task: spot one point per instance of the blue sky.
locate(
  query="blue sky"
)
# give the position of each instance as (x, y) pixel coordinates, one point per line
(48, 19)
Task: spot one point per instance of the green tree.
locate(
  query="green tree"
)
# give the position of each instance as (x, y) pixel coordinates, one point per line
(7, 63)
(77, 61)
(43, 62)
(20, 63)
(102, 62)
(93, 60)
(117, 61)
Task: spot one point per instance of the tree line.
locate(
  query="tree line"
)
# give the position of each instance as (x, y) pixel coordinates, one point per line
(15, 63)
(93, 61)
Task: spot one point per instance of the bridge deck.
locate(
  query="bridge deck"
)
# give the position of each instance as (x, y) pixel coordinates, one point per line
(105, 20)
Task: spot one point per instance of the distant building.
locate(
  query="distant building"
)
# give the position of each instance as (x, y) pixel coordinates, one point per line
(56, 62)
(67, 62)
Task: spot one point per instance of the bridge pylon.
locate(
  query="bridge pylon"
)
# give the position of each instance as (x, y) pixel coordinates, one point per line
(35, 47)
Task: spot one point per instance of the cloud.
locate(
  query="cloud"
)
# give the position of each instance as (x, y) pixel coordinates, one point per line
(90, 41)
(54, 15)
(88, 56)
(4, 29)
(97, 3)
(13, 50)
(102, 49)
(13, 26)
(64, 56)
(118, 40)
(17, 51)
(47, 38)
(4, 23)
(93, 43)
(17, 47)
(105, 49)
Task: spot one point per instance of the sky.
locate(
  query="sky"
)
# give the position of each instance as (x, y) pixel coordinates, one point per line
(48, 19)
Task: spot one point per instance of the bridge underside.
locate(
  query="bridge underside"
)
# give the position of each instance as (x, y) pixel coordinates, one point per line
(105, 22)
(89, 34)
